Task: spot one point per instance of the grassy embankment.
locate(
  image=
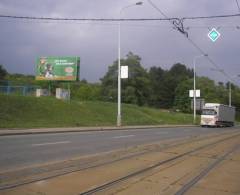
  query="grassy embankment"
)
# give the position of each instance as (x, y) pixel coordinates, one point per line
(30, 112)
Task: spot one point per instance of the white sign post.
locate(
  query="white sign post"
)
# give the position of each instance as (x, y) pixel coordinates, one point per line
(124, 72)
(194, 94)
(191, 93)
(62, 94)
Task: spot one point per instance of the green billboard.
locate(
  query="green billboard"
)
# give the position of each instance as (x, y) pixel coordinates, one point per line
(58, 68)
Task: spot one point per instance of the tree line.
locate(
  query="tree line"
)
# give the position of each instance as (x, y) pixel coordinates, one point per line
(155, 87)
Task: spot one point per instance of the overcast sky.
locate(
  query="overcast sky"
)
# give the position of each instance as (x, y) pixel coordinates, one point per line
(157, 43)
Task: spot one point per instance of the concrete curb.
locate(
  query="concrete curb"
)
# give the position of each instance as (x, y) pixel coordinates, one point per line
(8, 132)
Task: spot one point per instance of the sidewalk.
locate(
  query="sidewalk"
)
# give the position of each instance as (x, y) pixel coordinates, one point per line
(5, 132)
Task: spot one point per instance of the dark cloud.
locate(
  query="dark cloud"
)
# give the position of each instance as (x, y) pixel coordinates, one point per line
(96, 43)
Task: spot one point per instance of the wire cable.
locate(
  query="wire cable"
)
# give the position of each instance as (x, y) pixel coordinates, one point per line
(176, 22)
(238, 5)
(192, 42)
(84, 19)
(211, 17)
(121, 19)
(188, 27)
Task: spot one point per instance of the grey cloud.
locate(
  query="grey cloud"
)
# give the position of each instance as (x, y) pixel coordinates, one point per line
(96, 43)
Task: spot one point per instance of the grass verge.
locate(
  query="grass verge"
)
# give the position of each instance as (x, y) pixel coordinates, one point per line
(32, 112)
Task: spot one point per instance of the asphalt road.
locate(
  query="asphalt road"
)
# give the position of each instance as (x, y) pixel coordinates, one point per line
(24, 150)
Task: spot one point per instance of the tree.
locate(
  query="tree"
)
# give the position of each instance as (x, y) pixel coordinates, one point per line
(164, 84)
(177, 74)
(182, 100)
(3, 73)
(135, 89)
(156, 75)
(85, 91)
(210, 92)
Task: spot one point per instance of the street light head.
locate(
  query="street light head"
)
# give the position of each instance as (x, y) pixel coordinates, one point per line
(139, 3)
(206, 55)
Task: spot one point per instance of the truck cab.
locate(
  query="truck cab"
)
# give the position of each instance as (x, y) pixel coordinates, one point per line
(209, 117)
(217, 115)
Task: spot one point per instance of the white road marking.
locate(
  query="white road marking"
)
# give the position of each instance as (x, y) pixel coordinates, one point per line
(160, 133)
(86, 133)
(51, 143)
(186, 130)
(123, 136)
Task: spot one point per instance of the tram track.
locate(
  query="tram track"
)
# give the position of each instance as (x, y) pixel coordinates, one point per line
(205, 171)
(229, 135)
(164, 162)
(72, 167)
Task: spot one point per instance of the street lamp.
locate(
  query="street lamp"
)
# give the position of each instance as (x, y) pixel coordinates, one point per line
(229, 87)
(194, 84)
(119, 64)
(230, 90)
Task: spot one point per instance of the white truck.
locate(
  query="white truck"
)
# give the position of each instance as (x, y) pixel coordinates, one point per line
(217, 115)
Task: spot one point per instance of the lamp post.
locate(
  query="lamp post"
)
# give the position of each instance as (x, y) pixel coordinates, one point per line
(229, 87)
(194, 85)
(230, 93)
(119, 118)
(230, 90)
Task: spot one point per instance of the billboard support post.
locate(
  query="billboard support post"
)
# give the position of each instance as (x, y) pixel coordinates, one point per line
(49, 87)
(69, 91)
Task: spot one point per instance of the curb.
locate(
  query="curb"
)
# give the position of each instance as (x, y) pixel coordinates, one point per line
(9, 132)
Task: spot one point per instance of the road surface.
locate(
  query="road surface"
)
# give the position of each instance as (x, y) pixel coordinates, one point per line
(25, 150)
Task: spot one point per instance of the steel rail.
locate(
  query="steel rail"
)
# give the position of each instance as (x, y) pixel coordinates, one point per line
(30, 181)
(124, 178)
(203, 173)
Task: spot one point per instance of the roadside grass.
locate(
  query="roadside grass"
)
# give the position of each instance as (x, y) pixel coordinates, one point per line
(32, 112)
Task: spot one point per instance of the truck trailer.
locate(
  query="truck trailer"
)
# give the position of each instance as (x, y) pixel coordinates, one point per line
(217, 115)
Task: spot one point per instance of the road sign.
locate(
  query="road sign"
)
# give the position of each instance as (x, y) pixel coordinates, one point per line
(191, 94)
(199, 104)
(214, 35)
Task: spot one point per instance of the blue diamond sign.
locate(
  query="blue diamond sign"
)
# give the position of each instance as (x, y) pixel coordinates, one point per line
(214, 35)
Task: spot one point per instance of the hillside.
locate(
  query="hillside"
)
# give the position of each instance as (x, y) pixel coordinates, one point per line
(29, 112)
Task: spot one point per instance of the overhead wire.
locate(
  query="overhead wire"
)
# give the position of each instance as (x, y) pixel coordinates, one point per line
(192, 42)
(188, 27)
(83, 19)
(238, 5)
(211, 17)
(120, 19)
(176, 22)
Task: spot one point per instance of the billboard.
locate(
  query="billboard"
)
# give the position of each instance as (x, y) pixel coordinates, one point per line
(58, 68)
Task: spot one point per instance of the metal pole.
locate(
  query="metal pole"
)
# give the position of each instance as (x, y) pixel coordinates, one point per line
(229, 87)
(69, 91)
(24, 90)
(119, 117)
(119, 75)
(49, 88)
(230, 90)
(194, 91)
(230, 93)
(194, 86)
(8, 90)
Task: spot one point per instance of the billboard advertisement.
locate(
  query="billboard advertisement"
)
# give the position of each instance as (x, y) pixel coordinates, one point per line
(58, 68)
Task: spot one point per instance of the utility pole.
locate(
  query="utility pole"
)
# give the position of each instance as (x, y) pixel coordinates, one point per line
(119, 117)
(194, 85)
